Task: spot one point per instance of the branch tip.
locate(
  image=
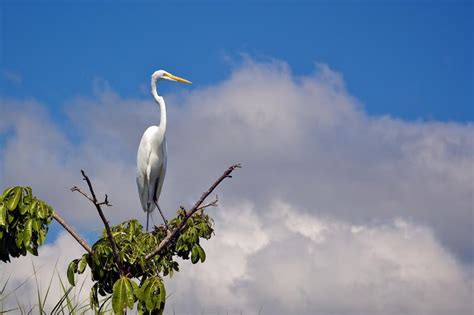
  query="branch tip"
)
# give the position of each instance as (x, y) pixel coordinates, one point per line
(197, 206)
(97, 205)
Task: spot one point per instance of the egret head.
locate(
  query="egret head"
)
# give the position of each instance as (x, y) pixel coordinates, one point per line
(164, 75)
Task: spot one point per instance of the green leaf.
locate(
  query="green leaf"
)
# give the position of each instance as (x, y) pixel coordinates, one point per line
(130, 294)
(96, 256)
(24, 208)
(152, 295)
(28, 232)
(19, 240)
(3, 214)
(29, 192)
(36, 225)
(6, 192)
(162, 293)
(82, 264)
(194, 255)
(10, 218)
(122, 295)
(41, 210)
(32, 208)
(15, 198)
(93, 298)
(71, 270)
(41, 236)
(136, 289)
(32, 250)
(148, 295)
(202, 254)
(142, 289)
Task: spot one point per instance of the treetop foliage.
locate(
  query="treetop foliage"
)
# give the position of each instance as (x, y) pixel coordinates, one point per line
(24, 221)
(140, 279)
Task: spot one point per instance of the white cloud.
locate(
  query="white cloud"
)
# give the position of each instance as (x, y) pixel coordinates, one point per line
(336, 268)
(321, 186)
(50, 267)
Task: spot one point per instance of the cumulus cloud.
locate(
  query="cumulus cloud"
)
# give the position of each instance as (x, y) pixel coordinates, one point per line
(26, 276)
(330, 212)
(306, 264)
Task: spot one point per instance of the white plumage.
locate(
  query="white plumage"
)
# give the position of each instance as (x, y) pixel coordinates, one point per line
(151, 156)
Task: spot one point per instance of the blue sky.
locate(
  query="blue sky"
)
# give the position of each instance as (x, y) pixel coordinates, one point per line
(399, 58)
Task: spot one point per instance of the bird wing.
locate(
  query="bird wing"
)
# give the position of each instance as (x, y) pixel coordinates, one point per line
(160, 172)
(151, 158)
(143, 157)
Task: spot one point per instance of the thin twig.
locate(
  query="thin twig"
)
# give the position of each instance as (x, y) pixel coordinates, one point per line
(71, 231)
(75, 188)
(209, 204)
(105, 202)
(102, 216)
(176, 231)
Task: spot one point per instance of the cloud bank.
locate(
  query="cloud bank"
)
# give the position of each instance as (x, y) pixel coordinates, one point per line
(50, 268)
(334, 212)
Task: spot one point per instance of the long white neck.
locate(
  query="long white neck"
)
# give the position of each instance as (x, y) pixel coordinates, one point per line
(161, 103)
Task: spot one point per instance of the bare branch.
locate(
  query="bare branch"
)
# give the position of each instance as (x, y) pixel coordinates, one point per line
(209, 204)
(84, 177)
(71, 231)
(197, 206)
(75, 188)
(102, 216)
(105, 202)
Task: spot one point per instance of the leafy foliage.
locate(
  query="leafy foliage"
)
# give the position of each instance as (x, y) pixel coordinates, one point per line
(142, 281)
(24, 221)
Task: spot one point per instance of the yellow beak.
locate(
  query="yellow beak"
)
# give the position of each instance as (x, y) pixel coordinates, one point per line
(178, 79)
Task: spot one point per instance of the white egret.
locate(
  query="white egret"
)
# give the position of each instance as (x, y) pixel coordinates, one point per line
(151, 156)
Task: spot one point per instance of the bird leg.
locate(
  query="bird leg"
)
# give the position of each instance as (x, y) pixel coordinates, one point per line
(164, 219)
(147, 219)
